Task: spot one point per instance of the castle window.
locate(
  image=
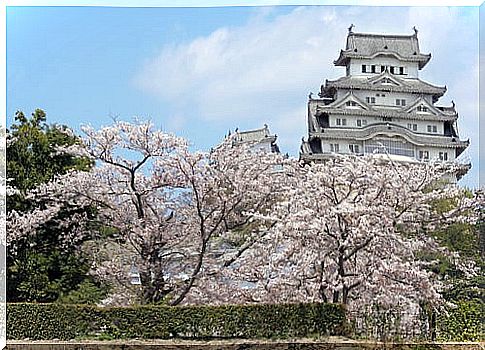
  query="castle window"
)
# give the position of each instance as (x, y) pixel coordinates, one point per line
(413, 127)
(351, 103)
(383, 68)
(423, 155)
(444, 156)
(342, 121)
(334, 147)
(401, 70)
(391, 70)
(354, 148)
(373, 69)
(387, 119)
(432, 128)
(361, 122)
(370, 99)
(391, 146)
(422, 109)
(364, 68)
(400, 102)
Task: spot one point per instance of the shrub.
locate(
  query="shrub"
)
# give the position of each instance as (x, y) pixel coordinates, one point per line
(60, 321)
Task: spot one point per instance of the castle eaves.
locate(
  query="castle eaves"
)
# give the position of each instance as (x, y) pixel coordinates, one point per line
(409, 85)
(391, 129)
(317, 107)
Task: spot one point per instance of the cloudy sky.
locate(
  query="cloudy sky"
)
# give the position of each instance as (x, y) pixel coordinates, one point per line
(200, 72)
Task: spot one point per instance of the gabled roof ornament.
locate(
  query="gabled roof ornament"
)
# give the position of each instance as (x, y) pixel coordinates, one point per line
(415, 30)
(351, 27)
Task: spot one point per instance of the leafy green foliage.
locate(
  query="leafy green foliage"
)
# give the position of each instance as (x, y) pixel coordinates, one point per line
(44, 266)
(57, 321)
(87, 292)
(467, 292)
(31, 154)
(463, 323)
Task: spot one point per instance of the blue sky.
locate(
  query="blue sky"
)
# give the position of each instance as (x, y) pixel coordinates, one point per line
(202, 71)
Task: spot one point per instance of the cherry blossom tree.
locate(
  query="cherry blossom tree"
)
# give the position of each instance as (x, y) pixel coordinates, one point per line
(351, 231)
(166, 210)
(232, 225)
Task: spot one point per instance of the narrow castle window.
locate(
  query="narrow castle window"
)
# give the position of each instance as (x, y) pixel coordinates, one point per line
(423, 155)
(432, 128)
(340, 121)
(364, 70)
(413, 127)
(334, 147)
(354, 148)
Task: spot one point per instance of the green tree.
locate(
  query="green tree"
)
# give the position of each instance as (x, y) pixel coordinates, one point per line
(464, 322)
(32, 156)
(43, 267)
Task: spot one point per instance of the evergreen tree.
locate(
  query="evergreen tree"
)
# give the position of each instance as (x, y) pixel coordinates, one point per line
(39, 269)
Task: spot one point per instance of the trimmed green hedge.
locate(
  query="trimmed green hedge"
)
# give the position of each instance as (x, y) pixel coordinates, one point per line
(64, 322)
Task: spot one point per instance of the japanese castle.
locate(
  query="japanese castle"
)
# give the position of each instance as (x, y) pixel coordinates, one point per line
(381, 106)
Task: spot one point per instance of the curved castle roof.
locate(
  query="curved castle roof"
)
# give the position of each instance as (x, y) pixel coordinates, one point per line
(368, 46)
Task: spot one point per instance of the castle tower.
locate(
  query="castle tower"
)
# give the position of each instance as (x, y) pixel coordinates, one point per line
(381, 106)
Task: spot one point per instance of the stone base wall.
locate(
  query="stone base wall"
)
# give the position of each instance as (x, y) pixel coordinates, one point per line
(238, 345)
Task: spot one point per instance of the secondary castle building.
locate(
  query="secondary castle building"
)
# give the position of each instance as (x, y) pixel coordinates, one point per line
(381, 105)
(260, 139)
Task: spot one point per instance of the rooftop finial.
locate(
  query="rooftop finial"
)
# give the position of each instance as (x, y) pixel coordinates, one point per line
(415, 30)
(351, 27)
(453, 103)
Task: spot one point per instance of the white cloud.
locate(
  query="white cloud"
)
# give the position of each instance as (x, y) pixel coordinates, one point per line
(262, 72)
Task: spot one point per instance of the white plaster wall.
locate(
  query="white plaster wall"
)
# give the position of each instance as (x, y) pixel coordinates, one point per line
(410, 68)
(343, 145)
(264, 146)
(434, 152)
(344, 149)
(422, 125)
(389, 98)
